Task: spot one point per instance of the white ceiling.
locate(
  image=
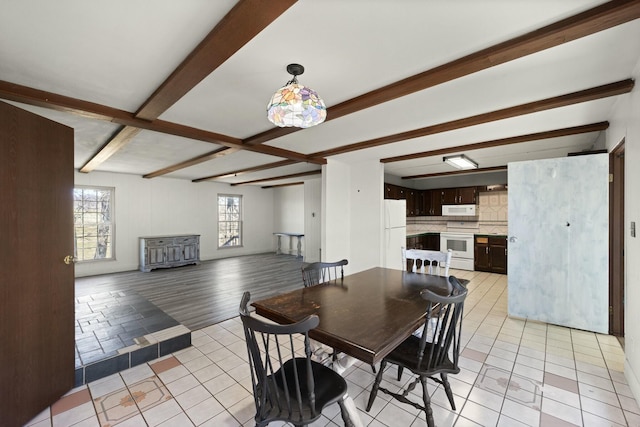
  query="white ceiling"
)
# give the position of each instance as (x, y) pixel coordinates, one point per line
(118, 53)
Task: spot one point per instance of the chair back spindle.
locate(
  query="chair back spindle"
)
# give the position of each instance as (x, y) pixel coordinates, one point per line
(287, 384)
(323, 272)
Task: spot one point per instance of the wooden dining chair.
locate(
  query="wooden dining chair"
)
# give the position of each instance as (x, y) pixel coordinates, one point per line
(427, 261)
(287, 385)
(322, 272)
(315, 274)
(435, 352)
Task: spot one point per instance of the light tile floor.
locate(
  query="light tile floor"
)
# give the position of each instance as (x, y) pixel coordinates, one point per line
(514, 373)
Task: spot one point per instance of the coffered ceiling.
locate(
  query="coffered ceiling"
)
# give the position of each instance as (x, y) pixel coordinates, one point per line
(161, 88)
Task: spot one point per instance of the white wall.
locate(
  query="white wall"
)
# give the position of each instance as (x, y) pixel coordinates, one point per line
(288, 209)
(165, 206)
(352, 213)
(336, 224)
(312, 219)
(625, 123)
(288, 215)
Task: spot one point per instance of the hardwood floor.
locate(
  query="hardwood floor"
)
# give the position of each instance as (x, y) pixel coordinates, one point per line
(201, 295)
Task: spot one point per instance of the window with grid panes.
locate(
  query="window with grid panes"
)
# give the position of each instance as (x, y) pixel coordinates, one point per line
(229, 220)
(93, 223)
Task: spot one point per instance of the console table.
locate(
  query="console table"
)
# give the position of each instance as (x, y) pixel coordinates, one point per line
(290, 236)
(169, 251)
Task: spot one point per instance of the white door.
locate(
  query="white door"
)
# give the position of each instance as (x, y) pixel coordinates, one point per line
(558, 234)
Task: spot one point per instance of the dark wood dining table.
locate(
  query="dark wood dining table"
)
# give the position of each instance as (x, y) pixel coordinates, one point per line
(365, 315)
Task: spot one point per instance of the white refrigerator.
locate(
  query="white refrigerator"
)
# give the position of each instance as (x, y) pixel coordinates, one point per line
(395, 233)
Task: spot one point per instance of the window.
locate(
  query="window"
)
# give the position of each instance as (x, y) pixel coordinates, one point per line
(93, 225)
(229, 221)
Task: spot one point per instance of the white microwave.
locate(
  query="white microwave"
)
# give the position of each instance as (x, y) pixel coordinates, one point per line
(459, 210)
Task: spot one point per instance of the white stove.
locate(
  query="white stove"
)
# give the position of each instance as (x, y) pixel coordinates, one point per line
(459, 239)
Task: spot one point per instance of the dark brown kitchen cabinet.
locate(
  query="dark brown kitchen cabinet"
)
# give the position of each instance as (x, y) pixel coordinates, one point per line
(391, 191)
(490, 254)
(410, 196)
(428, 241)
(459, 196)
(433, 202)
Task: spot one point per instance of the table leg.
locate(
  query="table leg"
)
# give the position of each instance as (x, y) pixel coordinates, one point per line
(278, 251)
(299, 247)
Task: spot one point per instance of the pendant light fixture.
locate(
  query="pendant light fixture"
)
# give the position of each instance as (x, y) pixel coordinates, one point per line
(296, 105)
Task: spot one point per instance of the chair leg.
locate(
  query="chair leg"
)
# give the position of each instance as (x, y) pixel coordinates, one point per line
(376, 385)
(400, 369)
(344, 412)
(447, 389)
(427, 401)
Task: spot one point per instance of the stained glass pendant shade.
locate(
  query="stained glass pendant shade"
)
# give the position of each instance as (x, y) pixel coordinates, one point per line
(296, 105)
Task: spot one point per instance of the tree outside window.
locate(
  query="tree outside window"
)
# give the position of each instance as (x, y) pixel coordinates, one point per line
(93, 223)
(229, 220)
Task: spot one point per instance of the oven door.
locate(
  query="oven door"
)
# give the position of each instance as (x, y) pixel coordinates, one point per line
(461, 245)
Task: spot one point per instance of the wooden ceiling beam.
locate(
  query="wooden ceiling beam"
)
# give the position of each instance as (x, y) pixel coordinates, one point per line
(283, 185)
(243, 22)
(576, 130)
(247, 170)
(599, 18)
(220, 152)
(293, 175)
(460, 172)
(591, 94)
(52, 101)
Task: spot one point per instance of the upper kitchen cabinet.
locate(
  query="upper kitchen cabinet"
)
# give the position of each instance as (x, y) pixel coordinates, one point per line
(411, 196)
(391, 191)
(431, 203)
(459, 196)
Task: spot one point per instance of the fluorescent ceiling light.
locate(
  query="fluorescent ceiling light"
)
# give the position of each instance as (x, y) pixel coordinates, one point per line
(461, 161)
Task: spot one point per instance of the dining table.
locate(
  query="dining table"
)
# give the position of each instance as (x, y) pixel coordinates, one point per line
(364, 315)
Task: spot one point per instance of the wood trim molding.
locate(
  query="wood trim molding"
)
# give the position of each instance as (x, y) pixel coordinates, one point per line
(594, 127)
(599, 92)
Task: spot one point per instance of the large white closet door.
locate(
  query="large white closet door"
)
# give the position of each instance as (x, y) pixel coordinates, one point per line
(558, 228)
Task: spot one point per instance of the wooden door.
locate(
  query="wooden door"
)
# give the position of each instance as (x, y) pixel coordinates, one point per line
(481, 254)
(37, 287)
(616, 241)
(498, 254)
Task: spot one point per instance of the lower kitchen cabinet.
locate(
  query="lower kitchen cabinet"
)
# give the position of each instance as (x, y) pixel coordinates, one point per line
(490, 254)
(169, 251)
(428, 241)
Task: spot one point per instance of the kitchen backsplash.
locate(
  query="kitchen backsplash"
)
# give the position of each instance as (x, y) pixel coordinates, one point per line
(492, 217)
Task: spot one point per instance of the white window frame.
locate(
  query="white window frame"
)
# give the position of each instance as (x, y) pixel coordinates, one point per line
(227, 225)
(85, 225)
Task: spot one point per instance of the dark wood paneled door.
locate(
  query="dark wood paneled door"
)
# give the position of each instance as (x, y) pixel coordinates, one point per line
(36, 285)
